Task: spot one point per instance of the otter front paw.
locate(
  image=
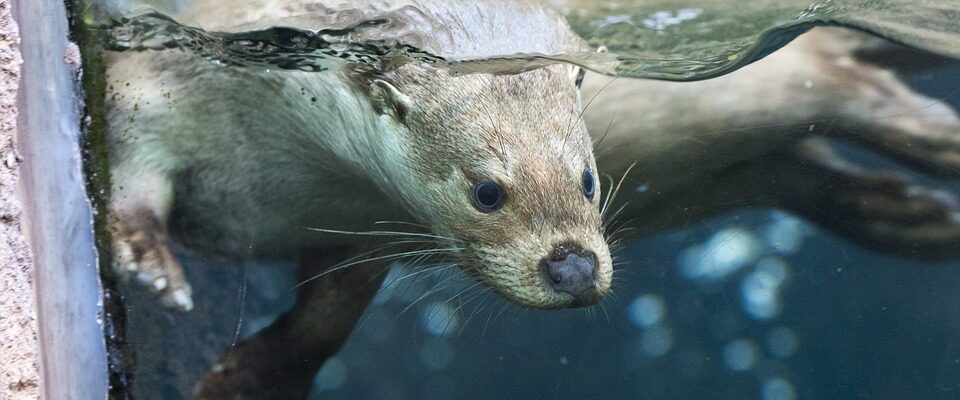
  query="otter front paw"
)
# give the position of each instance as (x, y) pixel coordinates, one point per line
(142, 253)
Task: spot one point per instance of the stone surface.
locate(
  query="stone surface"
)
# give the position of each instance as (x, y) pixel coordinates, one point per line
(19, 356)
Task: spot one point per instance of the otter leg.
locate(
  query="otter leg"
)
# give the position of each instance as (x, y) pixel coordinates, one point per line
(880, 210)
(888, 116)
(281, 361)
(141, 246)
(859, 95)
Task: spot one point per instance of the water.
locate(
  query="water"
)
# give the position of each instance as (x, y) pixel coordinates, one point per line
(753, 305)
(672, 40)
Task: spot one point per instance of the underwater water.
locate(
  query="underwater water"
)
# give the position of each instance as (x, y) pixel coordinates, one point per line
(755, 304)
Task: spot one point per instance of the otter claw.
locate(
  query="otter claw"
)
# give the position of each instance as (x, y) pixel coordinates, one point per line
(142, 253)
(178, 300)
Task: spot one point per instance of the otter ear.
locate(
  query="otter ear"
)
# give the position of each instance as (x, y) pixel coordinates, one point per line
(387, 99)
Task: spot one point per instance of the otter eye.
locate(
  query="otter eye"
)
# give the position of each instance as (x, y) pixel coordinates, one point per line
(487, 196)
(589, 185)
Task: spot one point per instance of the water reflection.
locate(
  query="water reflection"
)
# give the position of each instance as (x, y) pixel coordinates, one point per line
(663, 39)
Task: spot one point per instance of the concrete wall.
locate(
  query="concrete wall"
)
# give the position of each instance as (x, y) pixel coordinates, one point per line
(19, 347)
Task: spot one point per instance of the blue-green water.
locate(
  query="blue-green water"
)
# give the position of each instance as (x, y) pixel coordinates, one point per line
(753, 305)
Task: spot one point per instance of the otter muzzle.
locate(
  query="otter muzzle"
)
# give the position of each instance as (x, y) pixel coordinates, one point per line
(573, 273)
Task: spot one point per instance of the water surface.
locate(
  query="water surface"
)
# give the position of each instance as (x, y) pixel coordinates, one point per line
(661, 39)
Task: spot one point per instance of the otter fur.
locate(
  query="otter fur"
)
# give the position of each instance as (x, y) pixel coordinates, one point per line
(245, 161)
(242, 161)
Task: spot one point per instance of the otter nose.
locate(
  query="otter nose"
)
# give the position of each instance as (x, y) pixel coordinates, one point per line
(571, 271)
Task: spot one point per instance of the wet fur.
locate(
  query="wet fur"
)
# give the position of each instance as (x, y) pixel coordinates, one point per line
(751, 129)
(242, 162)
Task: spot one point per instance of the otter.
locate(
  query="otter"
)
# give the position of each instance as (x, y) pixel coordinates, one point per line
(219, 180)
(245, 161)
(766, 136)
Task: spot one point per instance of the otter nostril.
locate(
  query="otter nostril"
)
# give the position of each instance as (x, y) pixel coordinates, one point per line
(554, 273)
(573, 273)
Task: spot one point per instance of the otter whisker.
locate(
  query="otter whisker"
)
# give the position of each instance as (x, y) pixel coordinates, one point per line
(417, 261)
(503, 148)
(476, 311)
(413, 224)
(461, 305)
(522, 312)
(603, 307)
(606, 200)
(586, 314)
(379, 258)
(466, 300)
(436, 288)
(615, 245)
(384, 246)
(242, 294)
(384, 233)
(482, 306)
(439, 286)
(599, 141)
(614, 227)
(620, 232)
(621, 261)
(425, 270)
(439, 277)
(573, 123)
(613, 216)
(616, 232)
(503, 307)
(616, 190)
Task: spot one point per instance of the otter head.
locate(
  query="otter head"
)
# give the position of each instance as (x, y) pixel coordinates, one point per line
(503, 167)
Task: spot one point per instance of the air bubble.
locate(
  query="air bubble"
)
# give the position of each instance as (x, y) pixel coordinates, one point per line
(439, 319)
(740, 355)
(778, 389)
(656, 341)
(726, 252)
(646, 311)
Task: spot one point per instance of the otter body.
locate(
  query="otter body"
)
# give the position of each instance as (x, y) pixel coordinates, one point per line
(258, 165)
(243, 161)
(258, 154)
